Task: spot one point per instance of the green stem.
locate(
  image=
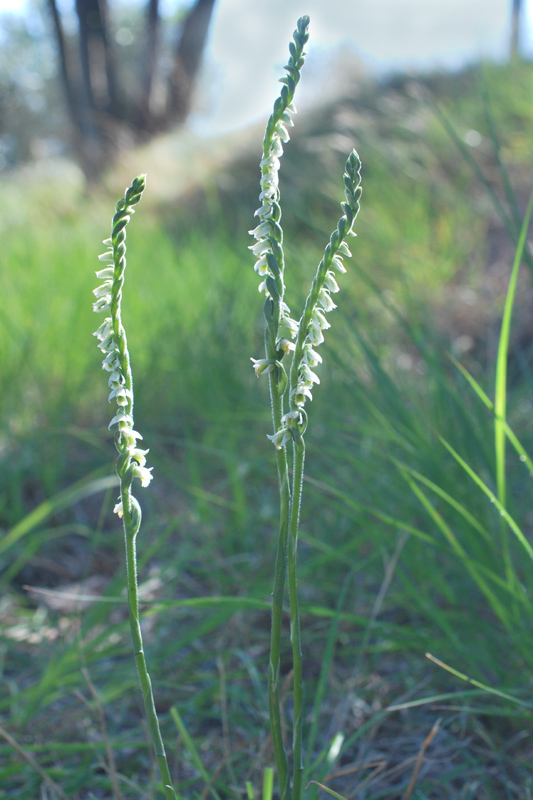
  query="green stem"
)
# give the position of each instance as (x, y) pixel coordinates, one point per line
(280, 754)
(131, 527)
(298, 474)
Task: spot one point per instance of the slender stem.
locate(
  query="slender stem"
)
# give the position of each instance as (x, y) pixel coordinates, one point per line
(298, 474)
(280, 754)
(131, 527)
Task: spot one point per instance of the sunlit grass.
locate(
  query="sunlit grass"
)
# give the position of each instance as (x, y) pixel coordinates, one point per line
(379, 490)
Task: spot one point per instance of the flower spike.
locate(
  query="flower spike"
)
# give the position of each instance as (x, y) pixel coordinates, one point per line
(112, 336)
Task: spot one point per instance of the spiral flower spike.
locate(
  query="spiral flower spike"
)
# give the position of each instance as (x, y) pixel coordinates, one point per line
(131, 460)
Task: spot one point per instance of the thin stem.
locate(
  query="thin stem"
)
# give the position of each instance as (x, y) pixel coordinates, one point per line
(280, 754)
(131, 527)
(298, 474)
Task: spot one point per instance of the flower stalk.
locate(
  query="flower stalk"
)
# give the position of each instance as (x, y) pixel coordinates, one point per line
(298, 340)
(280, 330)
(131, 460)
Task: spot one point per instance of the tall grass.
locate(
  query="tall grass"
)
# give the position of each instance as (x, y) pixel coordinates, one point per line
(416, 538)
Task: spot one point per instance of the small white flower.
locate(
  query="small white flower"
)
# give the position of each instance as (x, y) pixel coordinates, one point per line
(261, 365)
(116, 379)
(102, 304)
(325, 300)
(318, 320)
(315, 335)
(107, 257)
(122, 395)
(269, 193)
(300, 393)
(330, 283)
(129, 434)
(144, 474)
(308, 376)
(139, 455)
(260, 247)
(280, 438)
(111, 362)
(261, 267)
(270, 161)
(282, 132)
(291, 417)
(105, 329)
(102, 274)
(344, 250)
(118, 509)
(276, 148)
(311, 357)
(337, 264)
(122, 420)
(290, 325)
(104, 290)
(286, 345)
(265, 212)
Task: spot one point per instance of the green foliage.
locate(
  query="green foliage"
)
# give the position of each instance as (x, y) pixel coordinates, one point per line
(386, 503)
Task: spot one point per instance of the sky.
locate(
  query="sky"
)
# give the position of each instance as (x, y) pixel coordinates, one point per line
(248, 45)
(249, 42)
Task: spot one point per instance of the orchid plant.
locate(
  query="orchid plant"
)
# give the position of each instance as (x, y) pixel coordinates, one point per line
(289, 391)
(284, 336)
(131, 460)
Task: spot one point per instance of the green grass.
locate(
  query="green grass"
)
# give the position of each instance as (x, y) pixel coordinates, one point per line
(389, 513)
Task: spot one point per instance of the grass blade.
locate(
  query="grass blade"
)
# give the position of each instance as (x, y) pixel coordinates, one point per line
(193, 751)
(492, 497)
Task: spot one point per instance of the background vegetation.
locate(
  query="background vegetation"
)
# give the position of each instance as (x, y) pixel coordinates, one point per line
(390, 567)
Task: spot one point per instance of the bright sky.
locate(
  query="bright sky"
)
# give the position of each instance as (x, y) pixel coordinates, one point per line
(248, 43)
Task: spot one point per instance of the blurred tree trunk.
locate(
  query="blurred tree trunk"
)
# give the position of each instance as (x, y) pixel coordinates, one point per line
(100, 110)
(148, 65)
(187, 59)
(516, 20)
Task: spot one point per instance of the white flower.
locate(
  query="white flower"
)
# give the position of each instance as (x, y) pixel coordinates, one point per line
(291, 417)
(105, 329)
(121, 394)
(270, 161)
(108, 345)
(139, 455)
(124, 421)
(282, 132)
(311, 357)
(144, 474)
(330, 283)
(300, 393)
(325, 300)
(102, 274)
(336, 263)
(111, 362)
(315, 335)
(276, 148)
(344, 250)
(102, 304)
(128, 433)
(318, 320)
(308, 376)
(262, 365)
(280, 438)
(261, 266)
(290, 325)
(260, 247)
(286, 345)
(118, 509)
(104, 290)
